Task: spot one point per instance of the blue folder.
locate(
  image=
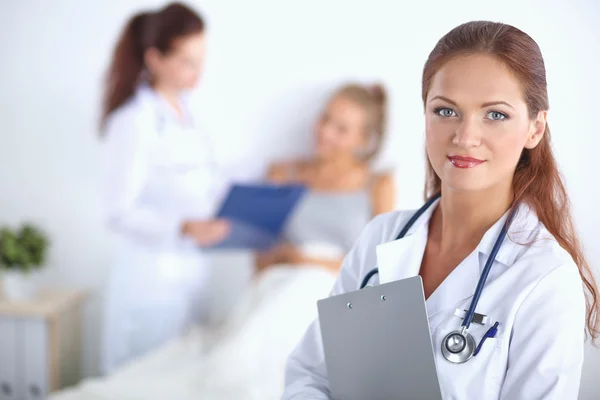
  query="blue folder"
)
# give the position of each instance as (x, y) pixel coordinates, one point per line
(258, 214)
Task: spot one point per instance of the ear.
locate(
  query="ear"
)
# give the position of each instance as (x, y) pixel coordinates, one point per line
(536, 130)
(152, 58)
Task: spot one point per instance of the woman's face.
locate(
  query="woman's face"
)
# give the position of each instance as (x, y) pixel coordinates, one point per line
(340, 130)
(180, 67)
(477, 123)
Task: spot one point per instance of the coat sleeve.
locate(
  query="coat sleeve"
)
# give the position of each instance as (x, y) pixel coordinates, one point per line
(547, 344)
(127, 170)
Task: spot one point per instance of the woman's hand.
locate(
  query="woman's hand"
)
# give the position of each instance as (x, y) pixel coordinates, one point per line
(284, 253)
(287, 253)
(206, 232)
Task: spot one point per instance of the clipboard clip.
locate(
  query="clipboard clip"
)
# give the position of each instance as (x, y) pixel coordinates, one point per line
(480, 319)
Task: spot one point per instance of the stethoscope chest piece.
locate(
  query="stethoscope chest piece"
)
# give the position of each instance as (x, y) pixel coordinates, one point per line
(458, 346)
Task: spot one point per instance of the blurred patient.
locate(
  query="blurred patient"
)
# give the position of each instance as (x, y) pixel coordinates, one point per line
(344, 192)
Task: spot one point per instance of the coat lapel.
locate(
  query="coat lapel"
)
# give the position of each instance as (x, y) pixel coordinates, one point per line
(401, 258)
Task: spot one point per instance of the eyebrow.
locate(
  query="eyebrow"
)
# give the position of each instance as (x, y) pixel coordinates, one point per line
(488, 104)
(494, 103)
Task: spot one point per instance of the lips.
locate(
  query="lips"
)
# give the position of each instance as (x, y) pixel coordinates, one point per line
(465, 162)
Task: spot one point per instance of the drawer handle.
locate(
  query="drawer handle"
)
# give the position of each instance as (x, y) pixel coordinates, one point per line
(6, 389)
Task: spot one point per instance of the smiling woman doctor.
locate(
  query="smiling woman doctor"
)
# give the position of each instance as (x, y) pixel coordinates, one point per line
(489, 153)
(162, 184)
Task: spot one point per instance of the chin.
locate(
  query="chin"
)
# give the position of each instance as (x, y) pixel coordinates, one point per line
(465, 184)
(465, 188)
(468, 185)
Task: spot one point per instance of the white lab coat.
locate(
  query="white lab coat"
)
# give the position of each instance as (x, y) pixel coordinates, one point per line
(534, 291)
(159, 172)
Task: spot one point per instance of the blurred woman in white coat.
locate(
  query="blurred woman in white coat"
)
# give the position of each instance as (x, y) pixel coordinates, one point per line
(489, 155)
(161, 184)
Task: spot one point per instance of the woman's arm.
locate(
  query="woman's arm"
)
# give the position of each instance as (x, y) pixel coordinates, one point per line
(127, 169)
(383, 194)
(288, 254)
(332, 265)
(129, 139)
(280, 172)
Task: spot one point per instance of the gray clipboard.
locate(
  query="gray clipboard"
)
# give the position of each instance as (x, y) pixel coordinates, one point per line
(377, 343)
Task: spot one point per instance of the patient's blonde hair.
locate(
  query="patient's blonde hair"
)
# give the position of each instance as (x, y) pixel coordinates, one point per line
(373, 100)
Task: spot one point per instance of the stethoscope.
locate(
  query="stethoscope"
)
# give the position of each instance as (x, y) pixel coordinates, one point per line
(459, 345)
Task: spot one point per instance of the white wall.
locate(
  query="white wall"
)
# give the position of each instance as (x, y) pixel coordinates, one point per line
(270, 65)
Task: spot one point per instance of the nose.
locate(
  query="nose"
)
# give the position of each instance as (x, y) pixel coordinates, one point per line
(467, 134)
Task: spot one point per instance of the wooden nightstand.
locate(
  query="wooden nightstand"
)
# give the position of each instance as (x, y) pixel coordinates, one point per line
(40, 344)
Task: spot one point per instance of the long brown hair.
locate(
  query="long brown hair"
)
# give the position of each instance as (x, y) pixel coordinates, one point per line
(373, 100)
(537, 180)
(144, 31)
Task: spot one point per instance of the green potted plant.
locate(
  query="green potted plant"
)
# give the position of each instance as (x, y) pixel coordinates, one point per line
(22, 252)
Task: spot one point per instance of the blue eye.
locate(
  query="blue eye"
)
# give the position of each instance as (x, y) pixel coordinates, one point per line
(445, 112)
(496, 116)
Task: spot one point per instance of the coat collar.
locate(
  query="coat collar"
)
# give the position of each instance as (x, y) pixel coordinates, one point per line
(401, 258)
(147, 94)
